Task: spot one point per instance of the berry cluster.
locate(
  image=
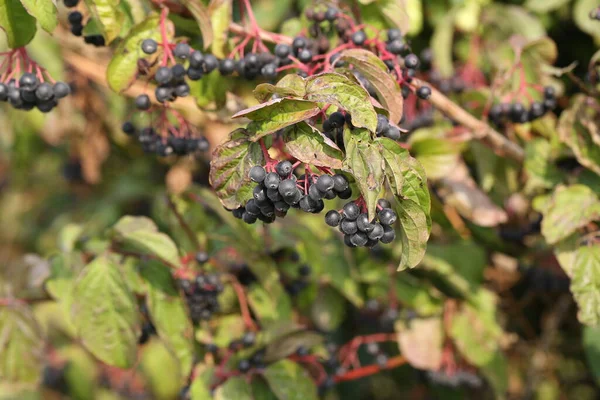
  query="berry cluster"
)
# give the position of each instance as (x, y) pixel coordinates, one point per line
(171, 142)
(29, 92)
(202, 296)
(358, 230)
(517, 113)
(75, 19)
(279, 190)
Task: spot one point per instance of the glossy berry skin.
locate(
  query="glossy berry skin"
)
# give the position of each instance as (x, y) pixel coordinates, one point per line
(201, 257)
(149, 46)
(392, 132)
(269, 71)
(383, 203)
(77, 30)
(284, 168)
(359, 239)
(424, 92)
(305, 55)
(257, 173)
(337, 119)
(304, 270)
(348, 227)
(248, 339)
(196, 59)
(340, 183)
(363, 223)
(387, 216)
(325, 183)
(163, 94)
(351, 211)
(128, 128)
(75, 18)
(272, 180)
(388, 235)
(382, 124)
(244, 366)
(226, 66)
(299, 43)
(396, 46)
(44, 92)
(210, 63)
(182, 50)
(142, 102)
(377, 232)
(333, 218)
(28, 81)
(411, 61)
(163, 75)
(394, 34)
(282, 50)
(331, 14)
(195, 74)
(549, 92)
(359, 38)
(287, 188)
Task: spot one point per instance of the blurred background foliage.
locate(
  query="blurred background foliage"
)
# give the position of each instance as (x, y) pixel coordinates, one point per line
(68, 176)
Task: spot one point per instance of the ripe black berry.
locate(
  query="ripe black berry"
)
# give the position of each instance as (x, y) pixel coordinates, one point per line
(210, 63)
(351, 211)
(201, 257)
(388, 235)
(272, 180)
(381, 360)
(44, 92)
(392, 132)
(331, 14)
(182, 90)
(337, 119)
(269, 71)
(340, 183)
(411, 61)
(348, 227)
(299, 43)
(373, 348)
(28, 81)
(282, 50)
(549, 92)
(377, 232)
(383, 203)
(257, 173)
(163, 75)
(394, 34)
(128, 128)
(163, 94)
(196, 59)
(333, 218)
(248, 339)
(182, 50)
(284, 168)
(287, 188)
(359, 239)
(325, 183)
(195, 73)
(75, 18)
(61, 90)
(359, 38)
(77, 30)
(424, 92)
(396, 46)
(304, 270)
(226, 66)
(382, 124)
(305, 55)
(363, 223)
(244, 365)
(149, 46)
(387, 216)
(142, 102)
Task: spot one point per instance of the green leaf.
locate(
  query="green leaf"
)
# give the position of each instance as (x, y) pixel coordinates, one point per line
(539, 165)
(276, 114)
(441, 45)
(200, 386)
(261, 390)
(329, 309)
(287, 344)
(365, 162)
(105, 313)
(64, 268)
(289, 381)
(581, 16)
(544, 6)
(591, 346)
(413, 232)
(44, 11)
(168, 314)
(229, 327)
(578, 128)
(405, 175)
(333, 88)
(291, 85)
(108, 13)
(21, 345)
(230, 166)
(15, 21)
(202, 16)
(140, 234)
(309, 145)
(436, 153)
(234, 388)
(161, 370)
(268, 308)
(122, 69)
(220, 17)
(585, 283)
(510, 20)
(376, 72)
(475, 331)
(561, 218)
(421, 341)
(211, 89)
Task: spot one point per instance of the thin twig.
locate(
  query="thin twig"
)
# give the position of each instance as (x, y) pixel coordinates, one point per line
(184, 225)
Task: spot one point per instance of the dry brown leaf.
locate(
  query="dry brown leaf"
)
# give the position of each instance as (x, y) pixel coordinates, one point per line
(460, 191)
(420, 341)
